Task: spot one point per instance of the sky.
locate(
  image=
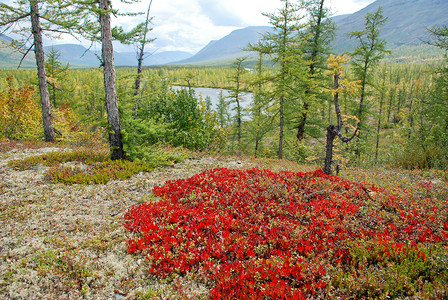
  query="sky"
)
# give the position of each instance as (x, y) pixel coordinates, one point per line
(189, 25)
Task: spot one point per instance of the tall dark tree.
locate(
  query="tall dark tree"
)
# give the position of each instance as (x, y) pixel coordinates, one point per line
(368, 54)
(107, 53)
(284, 44)
(319, 34)
(35, 18)
(98, 14)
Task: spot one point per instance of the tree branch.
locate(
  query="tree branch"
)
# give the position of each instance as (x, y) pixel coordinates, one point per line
(24, 55)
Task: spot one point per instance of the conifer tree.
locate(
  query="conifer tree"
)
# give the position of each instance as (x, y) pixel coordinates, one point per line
(98, 14)
(283, 45)
(368, 54)
(318, 36)
(333, 131)
(260, 123)
(236, 92)
(56, 74)
(222, 110)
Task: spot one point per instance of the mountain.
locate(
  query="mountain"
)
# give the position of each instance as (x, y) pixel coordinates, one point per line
(76, 55)
(79, 56)
(5, 38)
(404, 31)
(229, 47)
(10, 58)
(406, 24)
(150, 59)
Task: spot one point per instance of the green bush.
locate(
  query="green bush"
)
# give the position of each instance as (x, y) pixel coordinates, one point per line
(160, 115)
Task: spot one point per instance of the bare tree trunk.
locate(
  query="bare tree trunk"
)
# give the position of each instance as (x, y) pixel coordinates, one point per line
(41, 73)
(379, 128)
(115, 138)
(280, 140)
(331, 135)
(302, 123)
(335, 130)
(238, 112)
(142, 53)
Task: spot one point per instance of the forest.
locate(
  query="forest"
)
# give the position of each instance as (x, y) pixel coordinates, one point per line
(284, 227)
(398, 107)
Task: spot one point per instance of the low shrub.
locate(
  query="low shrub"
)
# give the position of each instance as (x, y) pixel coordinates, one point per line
(87, 156)
(257, 234)
(98, 173)
(98, 168)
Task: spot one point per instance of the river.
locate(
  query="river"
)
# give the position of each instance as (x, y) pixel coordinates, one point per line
(213, 94)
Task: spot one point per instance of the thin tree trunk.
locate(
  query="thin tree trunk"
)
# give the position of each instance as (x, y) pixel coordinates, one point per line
(378, 129)
(280, 140)
(256, 145)
(391, 98)
(331, 134)
(113, 118)
(314, 53)
(142, 53)
(301, 127)
(238, 107)
(238, 110)
(40, 61)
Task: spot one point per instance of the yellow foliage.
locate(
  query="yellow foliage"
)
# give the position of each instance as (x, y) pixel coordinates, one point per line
(336, 65)
(20, 117)
(72, 131)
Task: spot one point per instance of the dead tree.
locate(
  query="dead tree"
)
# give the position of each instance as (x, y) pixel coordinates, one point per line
(334, 131)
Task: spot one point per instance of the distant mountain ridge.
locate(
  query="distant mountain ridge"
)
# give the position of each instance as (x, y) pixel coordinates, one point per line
(405, 27)
(229, 47)
(404, 30)
(406, 24)
(79, 56)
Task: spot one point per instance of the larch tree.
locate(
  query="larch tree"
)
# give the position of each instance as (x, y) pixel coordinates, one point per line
(222, 110)
(98, 13)
(56, 74)
(260, 123)
(138, 37)
(370, 51)
(318, 36)
(33, 19)
(283, 46)
(236, 92)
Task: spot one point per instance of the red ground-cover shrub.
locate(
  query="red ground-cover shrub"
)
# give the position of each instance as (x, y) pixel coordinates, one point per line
(257, 234)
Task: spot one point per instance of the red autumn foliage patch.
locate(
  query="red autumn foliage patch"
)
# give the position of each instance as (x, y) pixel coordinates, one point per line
(257, 234)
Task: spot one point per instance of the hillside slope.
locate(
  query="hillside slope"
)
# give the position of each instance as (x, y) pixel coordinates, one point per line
(229, 47)
(406, 24)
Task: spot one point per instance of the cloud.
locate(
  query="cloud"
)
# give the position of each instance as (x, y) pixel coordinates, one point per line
(220, 13)
(189, 25)
(341, 7)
